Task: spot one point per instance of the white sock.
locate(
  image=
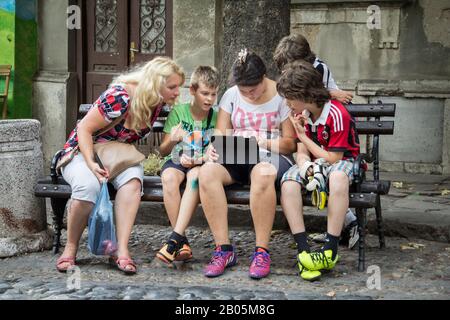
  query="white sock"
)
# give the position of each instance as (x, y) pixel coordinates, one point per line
(349, 217)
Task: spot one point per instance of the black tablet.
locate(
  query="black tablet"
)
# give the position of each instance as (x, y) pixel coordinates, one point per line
(236, 150)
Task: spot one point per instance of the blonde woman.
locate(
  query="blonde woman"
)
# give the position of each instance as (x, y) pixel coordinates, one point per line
(137, 96)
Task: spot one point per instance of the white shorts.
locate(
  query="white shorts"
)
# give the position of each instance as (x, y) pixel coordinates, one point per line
(85, 185)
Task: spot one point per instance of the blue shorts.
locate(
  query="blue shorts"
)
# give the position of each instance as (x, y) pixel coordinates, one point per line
(170, 164)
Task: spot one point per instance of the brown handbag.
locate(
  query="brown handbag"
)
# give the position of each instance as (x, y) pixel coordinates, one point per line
(113, 155)
(117, 156)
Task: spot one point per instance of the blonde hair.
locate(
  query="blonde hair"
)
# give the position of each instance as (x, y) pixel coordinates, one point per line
(208, 75)
(149, 79)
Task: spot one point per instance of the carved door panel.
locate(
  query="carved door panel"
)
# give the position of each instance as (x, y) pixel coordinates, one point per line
(120, 33)
(152, 35)
(107, 43)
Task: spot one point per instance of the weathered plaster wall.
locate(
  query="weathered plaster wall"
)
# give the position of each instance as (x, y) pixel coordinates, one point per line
(339, 34)
(407, 61)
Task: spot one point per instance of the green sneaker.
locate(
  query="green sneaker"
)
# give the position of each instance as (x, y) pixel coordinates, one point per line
(316, 261)
(306, 274)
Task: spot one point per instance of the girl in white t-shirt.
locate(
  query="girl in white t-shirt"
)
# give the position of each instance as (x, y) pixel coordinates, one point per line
(251, 108)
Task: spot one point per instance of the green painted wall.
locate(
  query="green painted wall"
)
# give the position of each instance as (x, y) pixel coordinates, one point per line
(7, 40)
(19, 48)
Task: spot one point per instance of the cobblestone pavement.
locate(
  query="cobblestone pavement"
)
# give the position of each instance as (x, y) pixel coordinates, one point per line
(409, 269)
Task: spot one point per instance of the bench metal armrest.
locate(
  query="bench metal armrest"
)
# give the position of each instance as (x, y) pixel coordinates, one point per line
(53, 171)
(358, 174)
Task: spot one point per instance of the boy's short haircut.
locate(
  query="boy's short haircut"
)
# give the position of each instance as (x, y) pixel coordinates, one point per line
(292, 48)
(207, 75)
(300, 81)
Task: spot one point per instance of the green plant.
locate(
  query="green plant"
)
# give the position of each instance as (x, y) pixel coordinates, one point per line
(153, 164)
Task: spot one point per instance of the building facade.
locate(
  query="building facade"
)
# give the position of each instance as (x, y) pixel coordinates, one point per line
(388, 50)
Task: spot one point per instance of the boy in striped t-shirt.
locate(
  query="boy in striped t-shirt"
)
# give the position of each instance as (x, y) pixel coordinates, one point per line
(295, 47)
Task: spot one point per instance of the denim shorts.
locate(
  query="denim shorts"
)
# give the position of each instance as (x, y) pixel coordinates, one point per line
(85, 185)
(170, 164)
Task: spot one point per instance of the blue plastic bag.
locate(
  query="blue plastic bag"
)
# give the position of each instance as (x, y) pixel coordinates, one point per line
(101, 229)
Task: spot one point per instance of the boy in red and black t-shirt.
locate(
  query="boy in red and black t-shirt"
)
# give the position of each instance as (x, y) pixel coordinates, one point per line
(324, 130)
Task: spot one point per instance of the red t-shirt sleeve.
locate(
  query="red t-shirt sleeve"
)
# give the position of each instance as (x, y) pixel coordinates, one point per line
(339, 130)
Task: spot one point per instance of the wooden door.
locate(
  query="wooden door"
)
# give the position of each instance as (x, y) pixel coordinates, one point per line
(152, 35)
(121, 33)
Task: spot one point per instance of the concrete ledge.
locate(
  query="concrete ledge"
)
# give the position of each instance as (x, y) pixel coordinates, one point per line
(10, 247)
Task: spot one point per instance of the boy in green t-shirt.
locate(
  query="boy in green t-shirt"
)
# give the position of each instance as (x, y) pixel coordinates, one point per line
(188, 130)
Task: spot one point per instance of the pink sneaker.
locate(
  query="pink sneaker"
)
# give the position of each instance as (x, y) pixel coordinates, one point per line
(219, 261)
(260, 266)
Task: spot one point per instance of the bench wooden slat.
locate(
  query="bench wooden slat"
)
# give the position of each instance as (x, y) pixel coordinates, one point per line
(375, 127)
(381, 187)
(158, 126)
(371, 110)
(235, 194)
(241, 196)
(357, 110)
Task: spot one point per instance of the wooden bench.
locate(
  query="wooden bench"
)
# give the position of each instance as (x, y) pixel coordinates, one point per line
(364, 194)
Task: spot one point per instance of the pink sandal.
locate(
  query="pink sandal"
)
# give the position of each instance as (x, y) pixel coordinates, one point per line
(122, 263)
(61, 260)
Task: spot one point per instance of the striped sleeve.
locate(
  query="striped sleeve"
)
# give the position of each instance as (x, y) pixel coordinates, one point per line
(340, 129)
(327, 77)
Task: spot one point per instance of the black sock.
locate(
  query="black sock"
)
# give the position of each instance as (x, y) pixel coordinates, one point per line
(331, 242)
(266, 250)
(184, 241)
(177, 237)
(226, 247)
(175, 242)
(302, 243)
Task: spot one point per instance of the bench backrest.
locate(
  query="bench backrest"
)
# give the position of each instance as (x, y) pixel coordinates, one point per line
(363, 114)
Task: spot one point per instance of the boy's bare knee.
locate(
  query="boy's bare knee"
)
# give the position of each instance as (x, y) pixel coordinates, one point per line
(338, 183)
(263, 176)
(264, 169)
(171, 177)
(261, 183)
(208, 172)
(193, 174)
(291, 188)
